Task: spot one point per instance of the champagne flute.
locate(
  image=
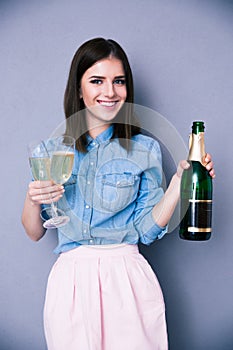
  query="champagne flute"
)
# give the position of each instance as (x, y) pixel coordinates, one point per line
(39, 160)
(53, 160)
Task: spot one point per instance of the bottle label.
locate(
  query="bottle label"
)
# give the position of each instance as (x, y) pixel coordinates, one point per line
(198, 229)
(200, 212)
(197, 147)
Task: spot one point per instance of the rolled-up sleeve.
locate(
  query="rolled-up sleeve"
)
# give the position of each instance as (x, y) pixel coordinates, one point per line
(150, 193)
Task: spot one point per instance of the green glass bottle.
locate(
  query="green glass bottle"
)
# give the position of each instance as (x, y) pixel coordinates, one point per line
(196, 191)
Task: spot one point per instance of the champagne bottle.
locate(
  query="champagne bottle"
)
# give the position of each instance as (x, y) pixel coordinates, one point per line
(196, 191)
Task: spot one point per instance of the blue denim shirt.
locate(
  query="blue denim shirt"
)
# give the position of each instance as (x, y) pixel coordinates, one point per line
(111, 193)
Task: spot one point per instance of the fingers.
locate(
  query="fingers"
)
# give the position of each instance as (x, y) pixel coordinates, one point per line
(44, 192)
(40, 184)
(209, 165)
(207, 162)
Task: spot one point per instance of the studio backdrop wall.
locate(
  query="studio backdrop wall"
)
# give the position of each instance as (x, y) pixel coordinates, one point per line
(181, 55)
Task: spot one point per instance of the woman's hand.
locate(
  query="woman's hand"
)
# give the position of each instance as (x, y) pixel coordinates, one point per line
(207, 162)
(39, 192)
(44, 192)
(163, 210)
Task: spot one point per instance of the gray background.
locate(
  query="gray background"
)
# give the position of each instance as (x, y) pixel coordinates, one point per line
(181, 54)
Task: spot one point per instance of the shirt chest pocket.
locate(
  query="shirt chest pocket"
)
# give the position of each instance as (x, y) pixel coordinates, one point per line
(117, 191)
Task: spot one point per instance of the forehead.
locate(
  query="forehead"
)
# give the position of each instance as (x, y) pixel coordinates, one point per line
(105, 67)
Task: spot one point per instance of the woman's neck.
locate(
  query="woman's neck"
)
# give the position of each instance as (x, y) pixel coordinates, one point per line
(94, 132)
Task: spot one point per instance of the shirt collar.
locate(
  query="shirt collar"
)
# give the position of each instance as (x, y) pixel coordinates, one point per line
(102, 137)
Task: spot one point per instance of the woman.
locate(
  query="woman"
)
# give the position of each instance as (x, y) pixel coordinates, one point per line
(102, 294)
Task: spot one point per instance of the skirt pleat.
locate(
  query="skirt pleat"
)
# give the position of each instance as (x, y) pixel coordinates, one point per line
(104, 299)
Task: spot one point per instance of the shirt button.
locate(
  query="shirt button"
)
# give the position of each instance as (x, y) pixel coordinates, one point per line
(84, 231)
(91, 240)
(87, 206)
(92, 163)
(88, 182)
(94, 143)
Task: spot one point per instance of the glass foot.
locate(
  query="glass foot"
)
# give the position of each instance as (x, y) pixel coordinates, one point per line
(58, 221)
(54, 221)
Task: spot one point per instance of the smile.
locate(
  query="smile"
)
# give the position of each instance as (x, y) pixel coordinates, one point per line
(107, 103)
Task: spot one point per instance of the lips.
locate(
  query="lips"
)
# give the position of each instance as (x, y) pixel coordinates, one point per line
(107, 103)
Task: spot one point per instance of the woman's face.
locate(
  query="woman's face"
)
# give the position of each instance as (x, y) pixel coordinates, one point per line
(103, 89)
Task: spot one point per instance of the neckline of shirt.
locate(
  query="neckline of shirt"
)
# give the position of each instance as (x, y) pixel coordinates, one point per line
(103, 136)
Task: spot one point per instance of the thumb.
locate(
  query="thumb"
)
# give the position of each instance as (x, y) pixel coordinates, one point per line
(183, 164)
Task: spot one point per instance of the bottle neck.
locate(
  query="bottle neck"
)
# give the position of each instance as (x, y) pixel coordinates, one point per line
(197, 147)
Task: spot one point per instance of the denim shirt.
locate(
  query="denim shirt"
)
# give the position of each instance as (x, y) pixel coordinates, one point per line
(111, 193)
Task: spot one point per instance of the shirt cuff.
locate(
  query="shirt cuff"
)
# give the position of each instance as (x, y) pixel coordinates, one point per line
(155, 232)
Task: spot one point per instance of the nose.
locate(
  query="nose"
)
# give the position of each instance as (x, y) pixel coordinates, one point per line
(109, 90)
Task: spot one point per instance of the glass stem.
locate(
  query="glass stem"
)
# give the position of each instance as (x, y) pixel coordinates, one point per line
(54, 210)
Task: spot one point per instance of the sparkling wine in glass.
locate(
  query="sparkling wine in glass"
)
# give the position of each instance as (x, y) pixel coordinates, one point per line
(53, 160)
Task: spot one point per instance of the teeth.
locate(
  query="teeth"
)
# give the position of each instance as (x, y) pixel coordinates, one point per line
(107, 104)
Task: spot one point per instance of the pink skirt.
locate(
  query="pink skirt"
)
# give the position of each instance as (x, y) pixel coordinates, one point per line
(104, 299)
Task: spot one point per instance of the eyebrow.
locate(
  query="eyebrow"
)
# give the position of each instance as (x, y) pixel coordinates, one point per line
(100, 77)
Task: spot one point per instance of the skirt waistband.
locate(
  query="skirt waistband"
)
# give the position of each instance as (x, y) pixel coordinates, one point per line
(85, 251)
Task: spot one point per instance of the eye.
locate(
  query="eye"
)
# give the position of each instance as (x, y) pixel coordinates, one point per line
(119, 81)
(96, 81)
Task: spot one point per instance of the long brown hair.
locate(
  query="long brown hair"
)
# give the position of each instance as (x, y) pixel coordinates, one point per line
(89, 53)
